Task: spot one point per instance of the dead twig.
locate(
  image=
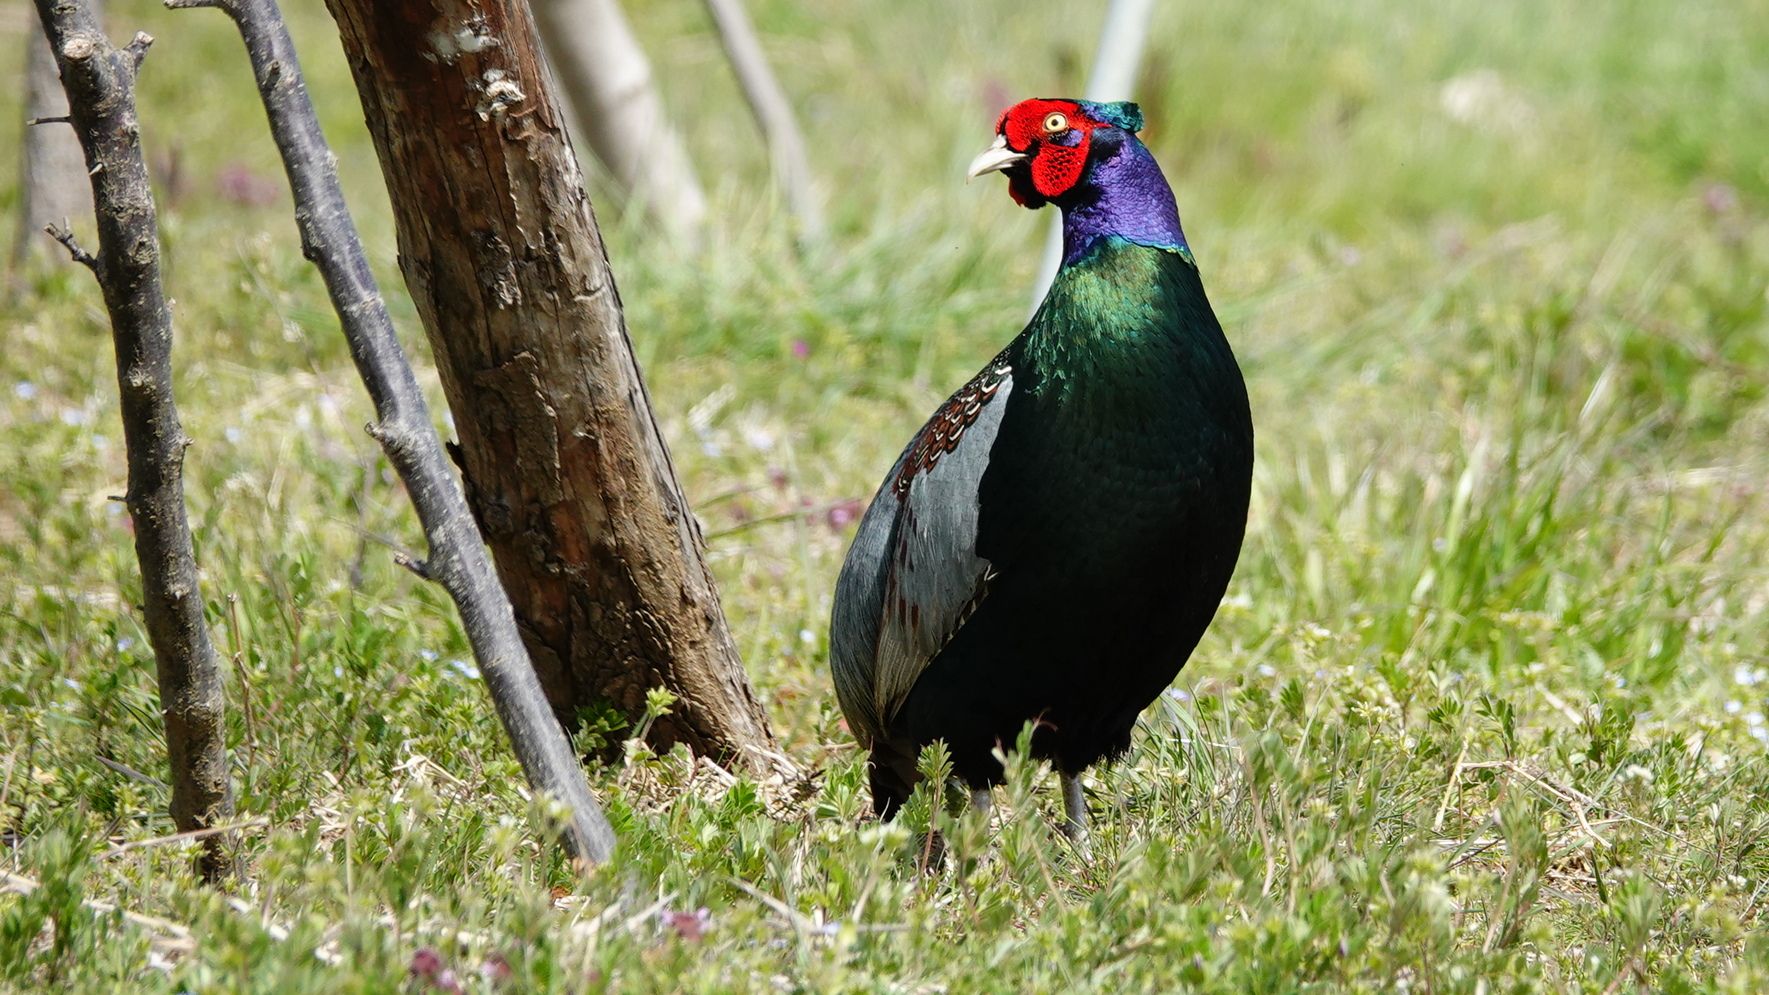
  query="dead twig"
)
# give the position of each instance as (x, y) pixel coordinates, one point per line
(75, 252)
(175, 838)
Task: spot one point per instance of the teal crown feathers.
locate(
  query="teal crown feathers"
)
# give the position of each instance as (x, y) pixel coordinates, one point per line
(1119, 114)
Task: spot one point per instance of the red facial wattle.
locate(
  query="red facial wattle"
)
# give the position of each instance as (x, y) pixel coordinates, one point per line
(1058, 157)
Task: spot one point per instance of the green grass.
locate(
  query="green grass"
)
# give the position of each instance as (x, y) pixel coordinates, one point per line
(1484, 711)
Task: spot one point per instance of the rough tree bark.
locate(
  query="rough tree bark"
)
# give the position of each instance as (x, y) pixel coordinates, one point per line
(53, 189)
(613, 99)
(457, 559)
(100, 84)
(773, 112)
(565, 465)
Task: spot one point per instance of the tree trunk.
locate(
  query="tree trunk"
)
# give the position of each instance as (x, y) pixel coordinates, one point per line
(406, 432)
(100, 82)
(53, 189)
(617, 110)
(566, 468)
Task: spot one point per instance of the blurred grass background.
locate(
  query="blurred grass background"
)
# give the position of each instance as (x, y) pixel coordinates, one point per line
(1484, 710)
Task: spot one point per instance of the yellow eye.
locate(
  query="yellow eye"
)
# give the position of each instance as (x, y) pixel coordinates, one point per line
(1055, 122)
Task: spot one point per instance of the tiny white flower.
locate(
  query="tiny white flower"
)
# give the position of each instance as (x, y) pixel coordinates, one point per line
(758, 437)
(24, 390)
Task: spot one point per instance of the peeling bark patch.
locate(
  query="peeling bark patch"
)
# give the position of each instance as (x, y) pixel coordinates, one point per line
(448, 44)
(514, 406)
(495, 266)
(498, 93)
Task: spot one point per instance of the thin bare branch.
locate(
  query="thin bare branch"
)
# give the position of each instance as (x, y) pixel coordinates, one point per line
(100, 83)
(176, 838)
(773, 111)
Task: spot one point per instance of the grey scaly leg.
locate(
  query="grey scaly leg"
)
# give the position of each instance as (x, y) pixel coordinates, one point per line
(1074, 809)
(981, 800)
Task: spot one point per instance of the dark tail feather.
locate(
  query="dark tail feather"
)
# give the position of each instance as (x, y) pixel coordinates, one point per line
(893, 776)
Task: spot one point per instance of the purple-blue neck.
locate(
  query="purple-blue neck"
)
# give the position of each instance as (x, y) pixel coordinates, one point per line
(1124, 194)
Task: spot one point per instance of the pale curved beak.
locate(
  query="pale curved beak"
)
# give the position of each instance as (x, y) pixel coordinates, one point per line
(993, 159)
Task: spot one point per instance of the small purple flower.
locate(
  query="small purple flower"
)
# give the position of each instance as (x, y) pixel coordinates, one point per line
(801, 349)
(238, 184)
(426, 964)
(496, 968)
(1720, 198)
(841, 515)
(689, 926)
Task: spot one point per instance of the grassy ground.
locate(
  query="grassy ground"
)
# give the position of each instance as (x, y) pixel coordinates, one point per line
(1484, 710)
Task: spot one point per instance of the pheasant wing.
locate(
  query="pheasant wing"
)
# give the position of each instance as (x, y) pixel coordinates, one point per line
(913, 574)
